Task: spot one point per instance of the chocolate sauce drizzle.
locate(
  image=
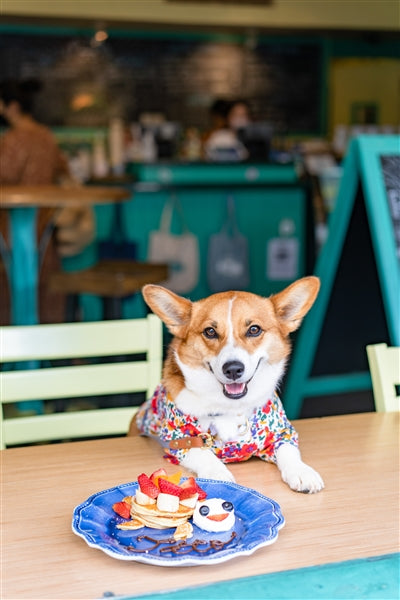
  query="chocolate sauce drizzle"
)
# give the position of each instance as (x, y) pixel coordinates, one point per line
(180, 547)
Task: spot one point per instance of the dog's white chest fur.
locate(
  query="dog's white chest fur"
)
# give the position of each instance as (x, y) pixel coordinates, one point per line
(235, 428)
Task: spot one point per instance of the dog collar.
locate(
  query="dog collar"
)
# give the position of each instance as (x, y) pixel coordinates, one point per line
(204, 440)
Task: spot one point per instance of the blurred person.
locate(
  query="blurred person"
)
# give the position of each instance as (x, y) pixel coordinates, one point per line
(238, 115)
(222, 143)
(218, 114)
(255, 136)
(29, 155)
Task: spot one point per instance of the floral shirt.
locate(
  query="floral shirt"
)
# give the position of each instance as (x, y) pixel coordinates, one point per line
(268, 428)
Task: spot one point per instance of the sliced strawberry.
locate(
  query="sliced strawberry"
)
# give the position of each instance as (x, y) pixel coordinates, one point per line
(201, 492)
(187, 494)
(147, 486)
(122, 509)
(157, 474)
(188, 483)
(167, 487)
(189, 488)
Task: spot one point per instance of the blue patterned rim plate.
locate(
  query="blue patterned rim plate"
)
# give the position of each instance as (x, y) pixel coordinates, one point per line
(258, 520)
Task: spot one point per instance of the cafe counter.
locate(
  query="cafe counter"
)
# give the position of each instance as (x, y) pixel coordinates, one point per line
(273, 211)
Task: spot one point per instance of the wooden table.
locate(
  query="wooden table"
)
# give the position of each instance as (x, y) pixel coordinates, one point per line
(356, 516)
(22, 259)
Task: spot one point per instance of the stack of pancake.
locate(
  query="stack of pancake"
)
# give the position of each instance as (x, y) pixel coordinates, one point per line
(151, 516)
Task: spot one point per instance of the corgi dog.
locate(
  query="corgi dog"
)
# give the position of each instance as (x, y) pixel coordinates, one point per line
(217, 402)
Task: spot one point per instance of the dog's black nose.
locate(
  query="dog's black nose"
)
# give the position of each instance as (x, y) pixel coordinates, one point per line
(233, 369)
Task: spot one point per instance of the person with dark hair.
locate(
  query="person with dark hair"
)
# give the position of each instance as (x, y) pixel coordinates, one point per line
(28, 150)
(29, 155)
(21, 92)
(218, 114)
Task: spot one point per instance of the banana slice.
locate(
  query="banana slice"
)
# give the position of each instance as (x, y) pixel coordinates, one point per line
(143, 499)
(190, 502)
(167, 503)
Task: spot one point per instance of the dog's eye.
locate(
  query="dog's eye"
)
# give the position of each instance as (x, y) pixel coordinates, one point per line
(253, 331)
(210, 333)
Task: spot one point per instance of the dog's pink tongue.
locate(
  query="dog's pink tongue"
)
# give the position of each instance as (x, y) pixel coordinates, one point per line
(234, 388)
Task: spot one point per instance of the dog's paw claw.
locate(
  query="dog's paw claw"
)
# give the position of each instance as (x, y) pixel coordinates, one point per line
(303, 478)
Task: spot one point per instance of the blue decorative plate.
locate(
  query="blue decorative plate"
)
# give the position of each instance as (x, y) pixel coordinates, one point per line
(258, 520)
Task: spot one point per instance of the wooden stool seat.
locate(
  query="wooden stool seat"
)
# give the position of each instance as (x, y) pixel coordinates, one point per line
(113, 280)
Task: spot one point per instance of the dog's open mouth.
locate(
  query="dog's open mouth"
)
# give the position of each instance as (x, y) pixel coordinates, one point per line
(234, 391)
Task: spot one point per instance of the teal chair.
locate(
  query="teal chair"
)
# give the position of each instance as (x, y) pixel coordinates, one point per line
(384, 365)
(79, 379)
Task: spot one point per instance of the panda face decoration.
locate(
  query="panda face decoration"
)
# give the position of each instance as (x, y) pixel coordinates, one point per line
(214, 514)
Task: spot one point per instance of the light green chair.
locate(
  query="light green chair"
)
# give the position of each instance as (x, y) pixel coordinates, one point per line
(77, 341)
(384, 364)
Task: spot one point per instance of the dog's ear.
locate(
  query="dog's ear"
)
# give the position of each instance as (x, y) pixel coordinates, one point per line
(294, 302)
(172, 309)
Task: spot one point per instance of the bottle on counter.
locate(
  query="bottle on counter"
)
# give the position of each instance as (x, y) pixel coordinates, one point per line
(100, 166)
(134, 150)
(149, 146)
(192, 145)
(116, 142)
(80, 164)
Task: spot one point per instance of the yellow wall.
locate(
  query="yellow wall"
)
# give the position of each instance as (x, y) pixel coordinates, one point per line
(345, 14)
(365, 80)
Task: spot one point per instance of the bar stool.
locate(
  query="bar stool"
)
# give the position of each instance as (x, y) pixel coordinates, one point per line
(112, 280)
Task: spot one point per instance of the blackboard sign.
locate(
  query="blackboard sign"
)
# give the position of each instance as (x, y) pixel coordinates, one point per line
(359, 269)
(391, 176)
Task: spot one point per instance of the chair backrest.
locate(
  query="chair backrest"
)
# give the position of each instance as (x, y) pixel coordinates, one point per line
(80, 378)
(384, 364)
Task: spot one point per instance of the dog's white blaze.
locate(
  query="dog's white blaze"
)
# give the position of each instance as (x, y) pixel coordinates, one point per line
(232, 351)
(229, 324)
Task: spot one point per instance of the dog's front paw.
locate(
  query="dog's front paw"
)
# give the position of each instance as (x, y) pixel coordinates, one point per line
(299, 476)
(302, 478)
(219, 472)
(206, 465)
